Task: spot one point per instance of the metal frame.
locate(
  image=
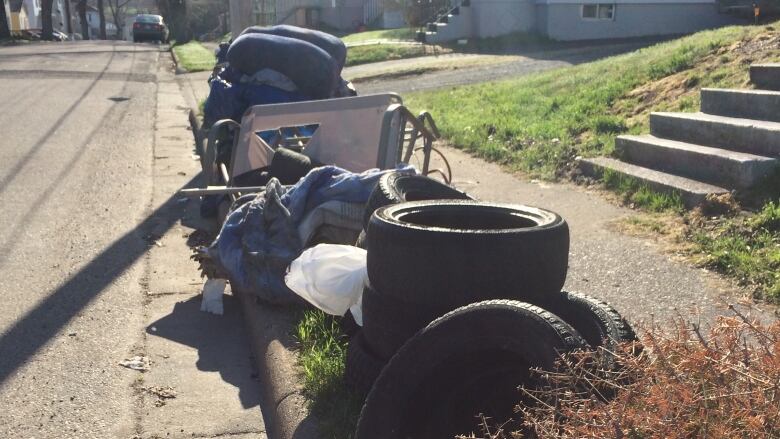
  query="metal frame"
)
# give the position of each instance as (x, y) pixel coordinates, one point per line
(399, 134)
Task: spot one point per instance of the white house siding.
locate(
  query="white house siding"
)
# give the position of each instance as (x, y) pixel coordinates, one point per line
(563, 19)
(499, 17)
(342, 14)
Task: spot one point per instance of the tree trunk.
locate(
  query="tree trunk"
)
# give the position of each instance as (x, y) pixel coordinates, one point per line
(46, 25)
(102, 12)
(82, 8)
(5, 32)
(68, 25)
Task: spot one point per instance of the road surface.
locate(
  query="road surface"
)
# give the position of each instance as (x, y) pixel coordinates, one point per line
(83, 125)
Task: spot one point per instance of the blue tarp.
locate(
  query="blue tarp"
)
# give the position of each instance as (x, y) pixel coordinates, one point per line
(260, 239)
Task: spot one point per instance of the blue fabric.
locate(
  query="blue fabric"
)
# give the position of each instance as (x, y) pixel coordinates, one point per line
(260, 239)
(230, 101)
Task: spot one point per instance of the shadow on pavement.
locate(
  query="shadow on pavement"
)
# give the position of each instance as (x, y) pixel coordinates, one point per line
(32, 331)
(221, 342)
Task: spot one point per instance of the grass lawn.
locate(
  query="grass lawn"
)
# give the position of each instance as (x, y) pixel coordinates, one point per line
(322, 351)
(382, 52)
(194, 57)
(404, 33)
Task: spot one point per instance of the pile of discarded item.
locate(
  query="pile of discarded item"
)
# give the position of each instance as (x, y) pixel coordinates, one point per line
(270, 65)
(455, 299)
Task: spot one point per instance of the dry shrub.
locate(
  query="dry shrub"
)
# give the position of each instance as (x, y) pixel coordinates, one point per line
(685, 384)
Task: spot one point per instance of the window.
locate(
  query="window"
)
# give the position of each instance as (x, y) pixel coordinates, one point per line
(601, 11)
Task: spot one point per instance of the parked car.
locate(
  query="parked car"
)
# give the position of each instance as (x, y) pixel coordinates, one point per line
(150, 28)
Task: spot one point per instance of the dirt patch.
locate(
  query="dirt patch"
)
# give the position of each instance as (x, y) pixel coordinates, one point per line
(725, 66)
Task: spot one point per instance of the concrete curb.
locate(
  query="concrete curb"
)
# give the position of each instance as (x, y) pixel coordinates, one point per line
(179, 70)
(270, 334)
(284, 406)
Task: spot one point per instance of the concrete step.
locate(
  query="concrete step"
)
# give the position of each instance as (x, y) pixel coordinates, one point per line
(746, 135)
(748, 104)
(723, 167)
(692, 192)
(765, 76)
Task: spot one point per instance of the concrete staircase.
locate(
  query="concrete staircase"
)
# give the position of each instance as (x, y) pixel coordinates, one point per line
(453, 25)
(732, 144)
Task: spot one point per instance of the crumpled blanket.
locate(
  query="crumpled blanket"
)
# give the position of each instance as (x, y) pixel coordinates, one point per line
(259, 239)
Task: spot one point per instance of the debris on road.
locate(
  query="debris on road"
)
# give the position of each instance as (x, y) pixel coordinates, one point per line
(213, 290)
(139, 363)
(162, 393)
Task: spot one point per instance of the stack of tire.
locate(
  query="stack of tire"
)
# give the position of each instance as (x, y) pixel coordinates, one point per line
(465, 297)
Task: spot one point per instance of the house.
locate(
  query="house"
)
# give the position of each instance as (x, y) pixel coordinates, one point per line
(335, 14)
(26, 14)
(93, 24)
(568, 20)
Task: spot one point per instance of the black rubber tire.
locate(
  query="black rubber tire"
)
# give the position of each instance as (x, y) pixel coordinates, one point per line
(449, 253)
(361, 366)
(598, 322)
(467, 362)
(361, 240)
(289, 166)
(398, 187)
(388, 322)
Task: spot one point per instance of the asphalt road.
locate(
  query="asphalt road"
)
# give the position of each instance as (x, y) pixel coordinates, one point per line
(77, 124)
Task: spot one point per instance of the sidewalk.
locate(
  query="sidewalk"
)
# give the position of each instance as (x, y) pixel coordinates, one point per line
(634, 274)
(205, 359)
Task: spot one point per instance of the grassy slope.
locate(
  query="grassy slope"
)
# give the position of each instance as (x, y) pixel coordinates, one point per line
(539, 123)
(194, 57)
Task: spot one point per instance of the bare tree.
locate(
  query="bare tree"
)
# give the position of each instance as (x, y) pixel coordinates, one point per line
(46, 24)
(5, 32)
(102, 13)
(68, 25)
(116, 7)
(81, 6)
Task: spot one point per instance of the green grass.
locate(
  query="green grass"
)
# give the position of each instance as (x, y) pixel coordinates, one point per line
(747, 249)
(322, 352)
(194, 57)
(541, 122)
(504, 43)
(381, 34)
(382, 52)
(633, 191)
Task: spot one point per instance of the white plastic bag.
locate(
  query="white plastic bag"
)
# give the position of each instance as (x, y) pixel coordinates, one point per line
(330, 277)
(212, 296)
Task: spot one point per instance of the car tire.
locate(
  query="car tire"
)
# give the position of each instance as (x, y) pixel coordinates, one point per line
(388, 322)
(361, 240)
(449, 253)
(361, 366)
(467, 362)
(398, 187)
(289, 166)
